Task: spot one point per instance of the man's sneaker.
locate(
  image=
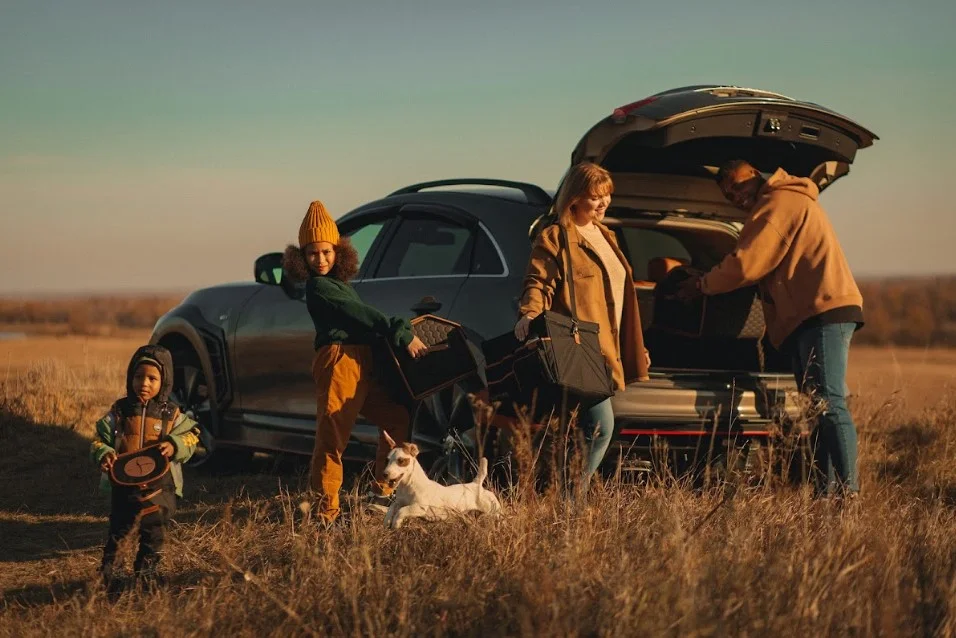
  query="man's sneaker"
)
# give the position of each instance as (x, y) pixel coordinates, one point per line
(377, 503)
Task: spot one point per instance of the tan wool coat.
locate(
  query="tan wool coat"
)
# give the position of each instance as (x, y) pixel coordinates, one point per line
(544, 289)
(787, 246)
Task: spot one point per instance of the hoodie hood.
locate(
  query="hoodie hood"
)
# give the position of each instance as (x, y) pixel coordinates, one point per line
(157, 356)
(781, 180)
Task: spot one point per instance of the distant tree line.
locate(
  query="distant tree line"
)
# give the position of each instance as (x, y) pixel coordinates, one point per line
(94, 315)
(903, 311)
(909, 312)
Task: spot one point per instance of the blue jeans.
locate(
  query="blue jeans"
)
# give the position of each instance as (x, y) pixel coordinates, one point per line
(819, 365)
(597, 425)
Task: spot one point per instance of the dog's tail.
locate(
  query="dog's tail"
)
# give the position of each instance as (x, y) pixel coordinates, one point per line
(482, 471)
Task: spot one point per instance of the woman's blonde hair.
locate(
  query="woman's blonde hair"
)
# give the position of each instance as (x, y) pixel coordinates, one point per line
(585, 179)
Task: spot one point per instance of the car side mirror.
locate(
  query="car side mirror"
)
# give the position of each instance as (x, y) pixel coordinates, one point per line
(268, 269)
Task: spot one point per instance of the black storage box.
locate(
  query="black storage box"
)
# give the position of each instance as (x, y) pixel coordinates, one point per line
(448, 361)
(737, 314)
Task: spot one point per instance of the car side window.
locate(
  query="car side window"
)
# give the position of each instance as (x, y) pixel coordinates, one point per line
(426, 247)
(487, 260)
(363, 237)
(644, 245)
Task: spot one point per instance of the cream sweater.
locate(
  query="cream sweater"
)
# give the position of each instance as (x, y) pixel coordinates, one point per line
(612, 265)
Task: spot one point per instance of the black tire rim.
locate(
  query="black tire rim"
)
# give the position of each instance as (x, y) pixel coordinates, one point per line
(444, 424)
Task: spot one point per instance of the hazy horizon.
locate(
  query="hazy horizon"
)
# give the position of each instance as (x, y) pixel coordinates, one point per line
(164, 147)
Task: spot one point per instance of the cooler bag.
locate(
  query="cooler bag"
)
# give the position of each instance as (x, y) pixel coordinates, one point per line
(737, 314)
(449, 360)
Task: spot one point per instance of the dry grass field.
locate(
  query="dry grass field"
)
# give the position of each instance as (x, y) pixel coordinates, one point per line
(656, 559)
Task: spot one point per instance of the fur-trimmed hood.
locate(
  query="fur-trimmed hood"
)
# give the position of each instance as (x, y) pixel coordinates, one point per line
(346, 263)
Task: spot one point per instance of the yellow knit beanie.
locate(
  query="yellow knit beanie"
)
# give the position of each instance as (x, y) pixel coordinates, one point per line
(318, 225)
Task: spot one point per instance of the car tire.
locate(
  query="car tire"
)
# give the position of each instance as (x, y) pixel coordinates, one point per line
(191, 393)
(443, 426)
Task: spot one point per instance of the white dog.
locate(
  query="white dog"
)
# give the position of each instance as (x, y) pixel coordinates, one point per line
(418, 495)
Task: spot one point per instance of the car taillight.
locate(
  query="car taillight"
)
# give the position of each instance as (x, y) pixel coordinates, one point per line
(620, 113)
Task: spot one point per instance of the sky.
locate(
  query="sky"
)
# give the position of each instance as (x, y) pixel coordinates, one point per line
(154, 146)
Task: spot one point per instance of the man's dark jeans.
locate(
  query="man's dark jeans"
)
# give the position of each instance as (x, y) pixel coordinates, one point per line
(819, 364)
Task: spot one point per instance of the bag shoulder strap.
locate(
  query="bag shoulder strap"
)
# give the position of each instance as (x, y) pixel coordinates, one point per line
(568, 268)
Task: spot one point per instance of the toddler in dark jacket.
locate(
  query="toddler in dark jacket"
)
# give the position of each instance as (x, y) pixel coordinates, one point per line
(144, 417)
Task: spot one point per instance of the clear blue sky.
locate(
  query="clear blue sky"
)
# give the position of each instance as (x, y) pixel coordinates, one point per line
(165, 145)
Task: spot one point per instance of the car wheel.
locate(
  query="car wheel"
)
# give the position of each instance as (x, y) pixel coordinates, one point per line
(191, 393)
(443, 426)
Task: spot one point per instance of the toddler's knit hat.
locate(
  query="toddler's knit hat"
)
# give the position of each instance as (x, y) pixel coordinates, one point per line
(318, 225)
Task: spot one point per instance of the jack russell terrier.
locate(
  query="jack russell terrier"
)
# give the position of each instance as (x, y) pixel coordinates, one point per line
(418, 495)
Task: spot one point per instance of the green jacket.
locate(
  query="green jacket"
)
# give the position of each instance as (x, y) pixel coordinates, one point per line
(340, 316)
(183, 434)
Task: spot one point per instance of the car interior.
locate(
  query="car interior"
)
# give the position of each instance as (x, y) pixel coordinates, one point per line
(655, 247)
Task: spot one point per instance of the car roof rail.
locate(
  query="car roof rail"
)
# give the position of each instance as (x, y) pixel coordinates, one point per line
(535, 195)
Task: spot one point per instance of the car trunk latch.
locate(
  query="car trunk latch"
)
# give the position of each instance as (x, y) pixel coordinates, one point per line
(771, 124)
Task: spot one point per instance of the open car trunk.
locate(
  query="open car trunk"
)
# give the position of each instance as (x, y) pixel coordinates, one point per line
(663, 152)
(701, 387)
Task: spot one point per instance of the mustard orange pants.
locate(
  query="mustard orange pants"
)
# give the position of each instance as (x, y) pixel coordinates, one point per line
(344, 389)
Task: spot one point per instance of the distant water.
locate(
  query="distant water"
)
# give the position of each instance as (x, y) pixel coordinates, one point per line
(12, 336)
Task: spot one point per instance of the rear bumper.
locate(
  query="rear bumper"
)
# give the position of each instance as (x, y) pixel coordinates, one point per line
(679, 433)
(681, 398)
(690, 410)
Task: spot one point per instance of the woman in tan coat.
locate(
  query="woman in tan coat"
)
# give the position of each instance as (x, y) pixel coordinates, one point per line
(604, 290)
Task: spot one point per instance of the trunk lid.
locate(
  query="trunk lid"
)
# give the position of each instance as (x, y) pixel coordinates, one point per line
(664, 150)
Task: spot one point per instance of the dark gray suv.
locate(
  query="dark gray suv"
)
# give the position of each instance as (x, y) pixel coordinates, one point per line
(458, 248)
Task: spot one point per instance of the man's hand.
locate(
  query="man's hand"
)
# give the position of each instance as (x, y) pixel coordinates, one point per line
(689, 289)
(167, 449)
(106, 463)
(647, 357)
(523, 326)
(417, 348)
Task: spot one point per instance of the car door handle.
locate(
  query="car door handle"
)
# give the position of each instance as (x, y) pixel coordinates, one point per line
(426, 305)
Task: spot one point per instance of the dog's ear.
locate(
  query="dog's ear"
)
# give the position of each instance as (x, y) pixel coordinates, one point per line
(389, 440)
(411, 448)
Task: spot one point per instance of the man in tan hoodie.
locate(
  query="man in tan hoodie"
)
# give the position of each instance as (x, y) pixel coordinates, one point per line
(811, 303)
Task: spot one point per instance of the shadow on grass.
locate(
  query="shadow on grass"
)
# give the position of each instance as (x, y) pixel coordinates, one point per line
(914, 458)
(906, 449)
(50, 501)
(263, 476)
(32, 538)
(38, 595)
(45, 470)
(59, 592)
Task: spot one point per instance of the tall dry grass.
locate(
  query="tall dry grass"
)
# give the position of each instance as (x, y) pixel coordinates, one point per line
(651, 559)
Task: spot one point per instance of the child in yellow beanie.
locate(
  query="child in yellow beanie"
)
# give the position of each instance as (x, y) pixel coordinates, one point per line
(343, 369)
